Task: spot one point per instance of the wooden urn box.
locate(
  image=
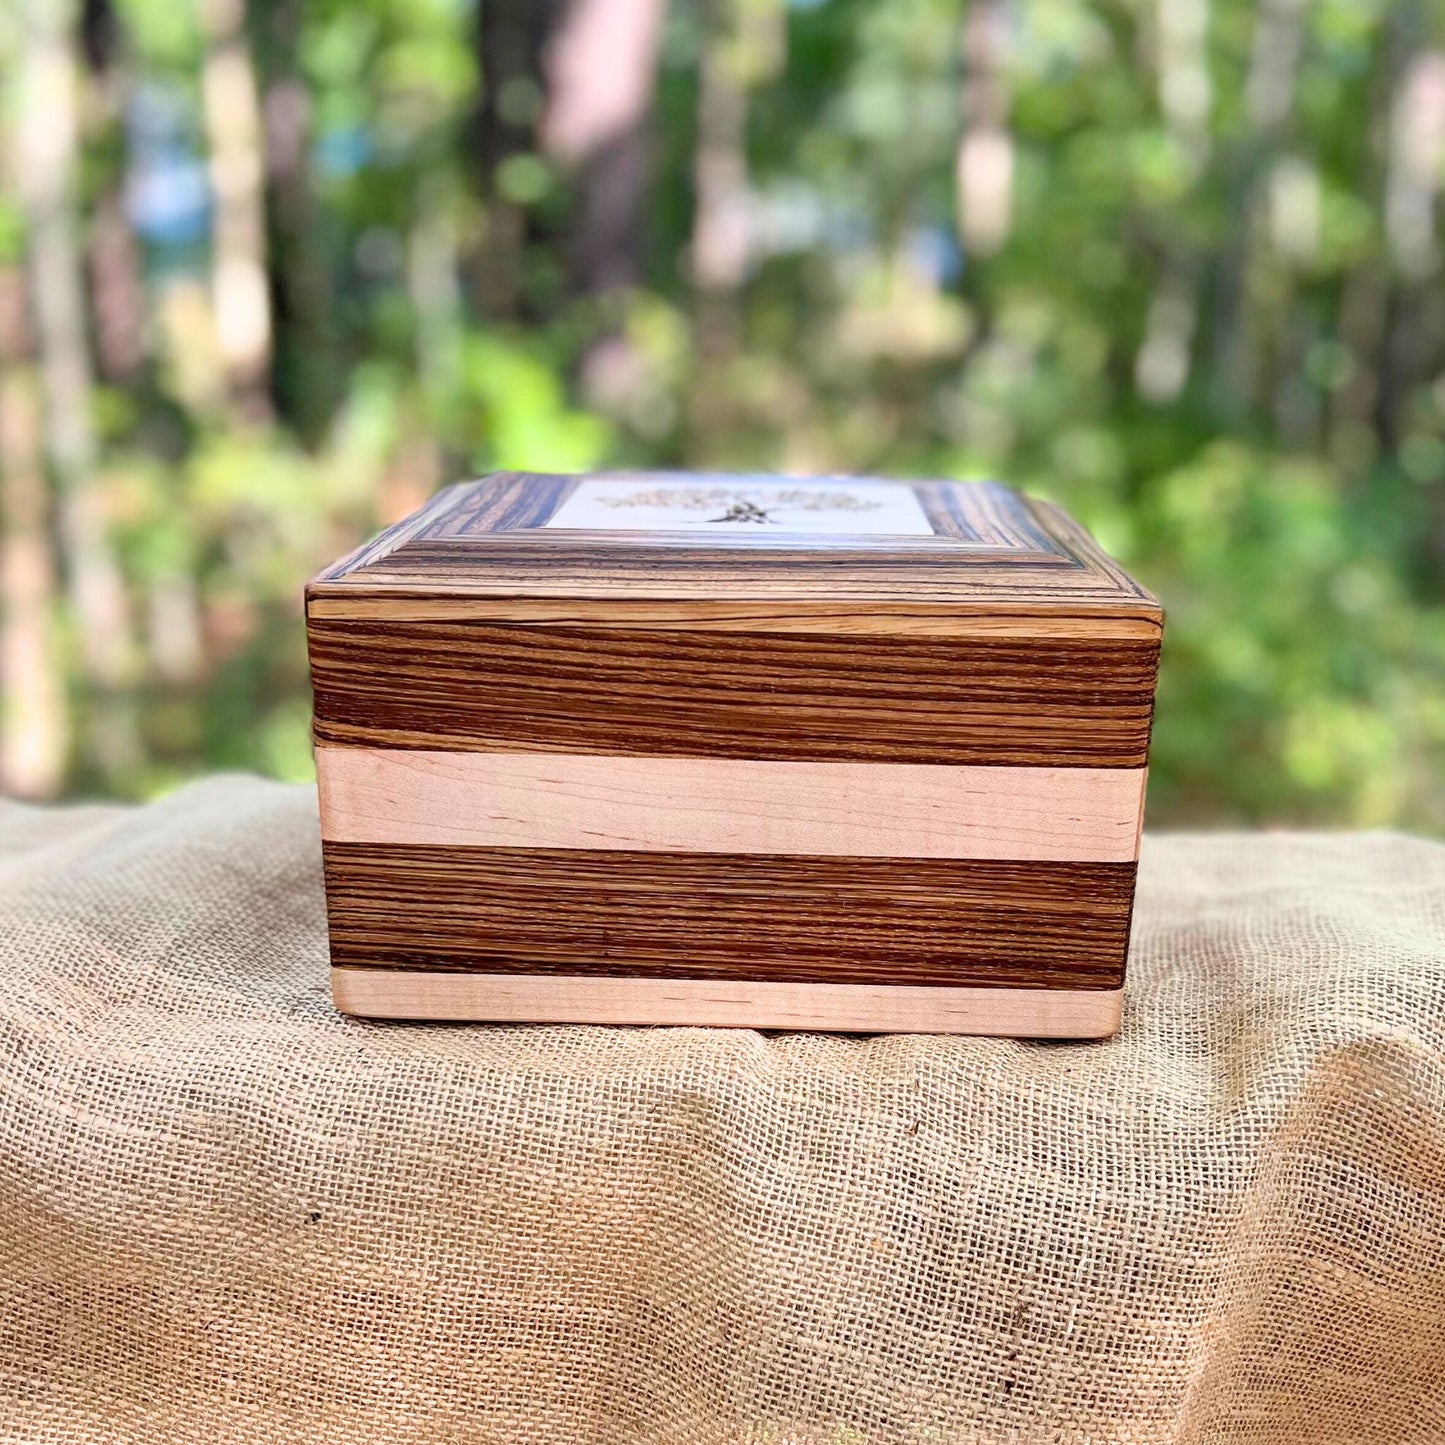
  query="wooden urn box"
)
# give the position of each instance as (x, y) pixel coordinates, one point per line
(742, 750)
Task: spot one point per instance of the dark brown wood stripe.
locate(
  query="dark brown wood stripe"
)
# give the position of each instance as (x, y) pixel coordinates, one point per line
(493, 687)
(750, 916)
(503, 502)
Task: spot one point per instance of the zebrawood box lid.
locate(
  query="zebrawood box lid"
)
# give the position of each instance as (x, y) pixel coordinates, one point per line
(624, 542)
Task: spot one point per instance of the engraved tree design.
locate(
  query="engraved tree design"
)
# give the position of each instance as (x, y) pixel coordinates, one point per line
(744, 511)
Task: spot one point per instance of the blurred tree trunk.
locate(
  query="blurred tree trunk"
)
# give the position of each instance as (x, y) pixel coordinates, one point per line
(984, 164)
(1411, 350)
(720, 186)
(1186, 96)
(1250, 287)
(1281, 237)
(511, 36)
(1363, 309)
(1390, 304)
(117, 290)
(116, 283)
(1164, 360)
(600, 68)
(1415, 162)
(433, 275)
(45, 167)
(306, 375)
(118, 302)
(233, 133)
(34, 732)
(744, 46)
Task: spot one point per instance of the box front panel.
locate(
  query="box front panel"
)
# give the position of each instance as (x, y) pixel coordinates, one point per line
(712, 867)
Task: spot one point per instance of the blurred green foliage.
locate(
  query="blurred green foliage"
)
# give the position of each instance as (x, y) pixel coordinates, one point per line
(1204, 331)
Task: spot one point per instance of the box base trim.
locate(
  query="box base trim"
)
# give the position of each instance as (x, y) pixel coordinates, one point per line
(1035, 1013)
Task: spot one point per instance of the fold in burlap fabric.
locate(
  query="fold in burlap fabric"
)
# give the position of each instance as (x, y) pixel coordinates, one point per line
(229, 1214)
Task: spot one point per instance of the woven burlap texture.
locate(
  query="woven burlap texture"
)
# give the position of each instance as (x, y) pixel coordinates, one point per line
(229, 1214)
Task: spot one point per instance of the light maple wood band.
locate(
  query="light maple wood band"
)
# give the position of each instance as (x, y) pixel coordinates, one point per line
(728, 805)
(666, 614)
(841, 1007)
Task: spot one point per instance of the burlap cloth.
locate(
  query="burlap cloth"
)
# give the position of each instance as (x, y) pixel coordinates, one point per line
(229, 1214)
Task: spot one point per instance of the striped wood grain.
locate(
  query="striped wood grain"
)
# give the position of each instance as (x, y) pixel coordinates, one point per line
(488, 538)
(647, 564)
(798, 919)
(983, 515)
(878, 619)
(1030, 1013)
(723, 805)
(1007, 642)
(495, 687)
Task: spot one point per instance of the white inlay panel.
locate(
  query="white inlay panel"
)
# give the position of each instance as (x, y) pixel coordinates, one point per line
(762, 506)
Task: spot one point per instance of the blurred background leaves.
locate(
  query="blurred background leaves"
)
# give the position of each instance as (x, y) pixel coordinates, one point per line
(271, 271)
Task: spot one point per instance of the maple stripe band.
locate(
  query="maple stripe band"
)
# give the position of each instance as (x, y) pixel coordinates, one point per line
(727, 805)
(1033, 1013)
